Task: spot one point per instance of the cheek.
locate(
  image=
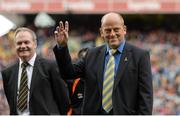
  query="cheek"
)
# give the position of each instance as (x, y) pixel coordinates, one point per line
(107, 36)
(17, 47)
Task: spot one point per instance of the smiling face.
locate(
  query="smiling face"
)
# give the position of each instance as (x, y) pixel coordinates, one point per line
(113, 29)
(25, 44)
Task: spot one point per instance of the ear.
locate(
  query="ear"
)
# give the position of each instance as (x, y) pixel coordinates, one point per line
(125, 29)
(101, 32)
(35, 43)
(36, 46)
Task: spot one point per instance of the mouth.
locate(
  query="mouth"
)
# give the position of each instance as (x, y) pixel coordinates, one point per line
(112, 40)
(23, 50)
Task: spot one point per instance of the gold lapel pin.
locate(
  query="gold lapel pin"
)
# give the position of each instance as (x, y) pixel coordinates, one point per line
(125, 59)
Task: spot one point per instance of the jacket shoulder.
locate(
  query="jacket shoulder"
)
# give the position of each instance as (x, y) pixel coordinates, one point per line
(133, 48)
(45, 61)
(97, 49)
(46, 64)
(8, 72)
(10, 68)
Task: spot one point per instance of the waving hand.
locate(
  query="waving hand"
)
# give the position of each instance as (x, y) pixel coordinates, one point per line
(61, 33)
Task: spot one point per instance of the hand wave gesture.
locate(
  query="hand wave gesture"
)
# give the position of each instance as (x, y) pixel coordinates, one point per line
(61, 33)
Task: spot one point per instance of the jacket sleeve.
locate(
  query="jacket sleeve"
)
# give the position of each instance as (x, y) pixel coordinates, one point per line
(66, 68)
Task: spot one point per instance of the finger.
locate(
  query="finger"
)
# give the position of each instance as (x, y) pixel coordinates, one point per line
(57, 29)
(61, 26)
(56, 34)
(66, 26)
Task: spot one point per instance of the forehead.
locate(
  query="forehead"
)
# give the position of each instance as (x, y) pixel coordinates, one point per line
(23, 35)
(112, 20)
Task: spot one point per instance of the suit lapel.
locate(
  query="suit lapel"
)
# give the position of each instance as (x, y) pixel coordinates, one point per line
(101, 58)
(34, 75)
(16, 70)
(125, 58)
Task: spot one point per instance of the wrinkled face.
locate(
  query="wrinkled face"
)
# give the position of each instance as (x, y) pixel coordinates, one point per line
(113, 30)
(25, 45)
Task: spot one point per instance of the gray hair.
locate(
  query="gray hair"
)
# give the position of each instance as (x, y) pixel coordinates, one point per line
(20, 29)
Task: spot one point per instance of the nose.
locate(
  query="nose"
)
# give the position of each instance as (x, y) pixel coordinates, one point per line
(23, 45)
(112, 33)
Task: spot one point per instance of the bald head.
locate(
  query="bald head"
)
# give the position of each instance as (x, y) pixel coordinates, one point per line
(113, 29)
(112, 16)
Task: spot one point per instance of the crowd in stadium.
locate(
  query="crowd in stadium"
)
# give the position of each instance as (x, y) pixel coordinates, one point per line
(165, 60)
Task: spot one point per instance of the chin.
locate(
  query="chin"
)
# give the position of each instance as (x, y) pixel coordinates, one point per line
(114, 46)
(23, 56)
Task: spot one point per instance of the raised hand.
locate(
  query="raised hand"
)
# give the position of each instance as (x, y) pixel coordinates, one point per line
(61, 33)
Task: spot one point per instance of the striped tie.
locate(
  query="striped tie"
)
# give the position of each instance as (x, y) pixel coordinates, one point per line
(108, 82)
(23, 90)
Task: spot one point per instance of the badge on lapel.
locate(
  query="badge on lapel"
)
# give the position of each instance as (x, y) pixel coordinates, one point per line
(125, 59)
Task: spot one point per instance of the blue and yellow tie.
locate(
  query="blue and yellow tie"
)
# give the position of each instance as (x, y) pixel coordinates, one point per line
(108, 82)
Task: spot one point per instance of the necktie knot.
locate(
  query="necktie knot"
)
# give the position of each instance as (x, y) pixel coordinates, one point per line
(24, 64)
(113, 51)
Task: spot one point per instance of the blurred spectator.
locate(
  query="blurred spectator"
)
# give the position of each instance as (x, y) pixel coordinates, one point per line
(77, 90)
(4, 107)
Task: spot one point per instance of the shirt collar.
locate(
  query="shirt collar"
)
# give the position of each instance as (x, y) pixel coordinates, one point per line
(31, 61)
(119, 49)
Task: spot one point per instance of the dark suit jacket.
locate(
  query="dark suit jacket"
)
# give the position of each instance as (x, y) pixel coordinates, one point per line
(48, 93)
(132, 93)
